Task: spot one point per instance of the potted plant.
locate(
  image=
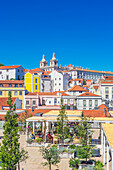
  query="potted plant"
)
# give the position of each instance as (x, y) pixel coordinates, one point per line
(98, 165)
(39, 140)
(74, 163)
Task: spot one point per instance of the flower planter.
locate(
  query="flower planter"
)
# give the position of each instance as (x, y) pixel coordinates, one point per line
(35, 144)
(86, 165)
(66, 155)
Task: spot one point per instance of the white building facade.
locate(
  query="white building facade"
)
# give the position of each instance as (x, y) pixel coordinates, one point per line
(60, 81)
(11, 72)
(88, 101)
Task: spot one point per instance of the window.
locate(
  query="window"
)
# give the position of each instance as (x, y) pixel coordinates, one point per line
(55, 78)
(96, 103)
(59, 84)
(90, 103)
(59, 78)
(106, 90)
(20, 93)
(18, 77)
(68, 101)
(1, 85)
(0, 93)
(10, 85)
(7, 70)
(35, 80)
(7, 77)
(112, 96)
(16, 85)
(27, 102)
(112, 89)
(49, 102)
(15, 93)
(55, 101)
(84, 108)
(34, 102)
(35, 87)
(107, 96)
(55, 84)
(20, 85)
(84, 103)
(35, 73)
(18, 70)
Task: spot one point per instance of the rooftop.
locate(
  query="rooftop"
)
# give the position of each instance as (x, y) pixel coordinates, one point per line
(9, 67)
(77, 88)
(108, 129)
(88, 94)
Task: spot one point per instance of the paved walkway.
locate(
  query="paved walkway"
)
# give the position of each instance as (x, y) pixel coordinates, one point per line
(35, 159)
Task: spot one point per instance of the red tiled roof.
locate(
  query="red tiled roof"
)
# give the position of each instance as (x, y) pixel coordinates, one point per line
(36, 69)
(3, 101)
(96, 86)
(102, 107)
(106, 82)
(26, 70)
(89, 80)
(108, 77)
(46, 93)
(77, 88)
(34, 112)
(64, 94)
(94, 113)
(85, 86)
(69, 65)
(9, 67)
(88, 94)
(94, 71)
(31, 93)
(46, 73)
(11, 81)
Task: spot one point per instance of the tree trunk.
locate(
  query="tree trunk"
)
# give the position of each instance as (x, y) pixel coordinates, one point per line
(49, 166)
(18, 166)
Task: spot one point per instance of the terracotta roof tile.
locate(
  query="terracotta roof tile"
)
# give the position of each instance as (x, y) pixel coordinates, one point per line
(88, 94)
(77, 88)
(9, 67)
(11, 81)
(94, 113)
(3, 101)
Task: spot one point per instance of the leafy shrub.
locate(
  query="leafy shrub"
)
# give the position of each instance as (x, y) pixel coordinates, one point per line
(98, 165)
(73, 163)
(73, 146)
(38, 140)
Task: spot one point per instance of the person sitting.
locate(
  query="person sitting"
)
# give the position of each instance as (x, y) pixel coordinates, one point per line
(50, 138)
(32, 136)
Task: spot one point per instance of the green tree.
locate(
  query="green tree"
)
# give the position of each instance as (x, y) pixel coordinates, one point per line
(1, 64)
(84, 132)
(10, 154)
(84, 82)
(62, 123)
(51, 155)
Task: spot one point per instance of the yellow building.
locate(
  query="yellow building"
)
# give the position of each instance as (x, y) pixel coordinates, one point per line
(32, 82)
(15, 87)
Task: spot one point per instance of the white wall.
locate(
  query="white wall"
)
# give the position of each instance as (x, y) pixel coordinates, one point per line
(80, 105)
(11, 73)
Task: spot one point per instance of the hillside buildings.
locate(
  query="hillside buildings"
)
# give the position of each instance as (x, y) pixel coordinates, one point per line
(11, 72)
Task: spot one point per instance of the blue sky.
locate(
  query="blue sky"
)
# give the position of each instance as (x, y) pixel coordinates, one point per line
(80, 32)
